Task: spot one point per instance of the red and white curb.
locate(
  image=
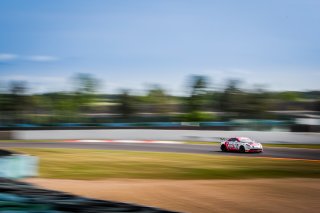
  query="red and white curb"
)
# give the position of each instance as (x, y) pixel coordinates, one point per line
(125, 141)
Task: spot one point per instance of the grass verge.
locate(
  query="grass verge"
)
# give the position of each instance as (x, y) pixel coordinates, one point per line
(104, 164)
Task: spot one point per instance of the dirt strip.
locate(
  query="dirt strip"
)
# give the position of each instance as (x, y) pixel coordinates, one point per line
(258, 195)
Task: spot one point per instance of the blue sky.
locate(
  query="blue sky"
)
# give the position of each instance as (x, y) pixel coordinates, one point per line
(129, 44)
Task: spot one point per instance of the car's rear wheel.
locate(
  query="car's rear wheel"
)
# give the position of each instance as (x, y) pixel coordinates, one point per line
(242, 149)
(223, 148)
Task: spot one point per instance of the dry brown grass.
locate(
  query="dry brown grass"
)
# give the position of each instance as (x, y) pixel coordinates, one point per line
(257, 195)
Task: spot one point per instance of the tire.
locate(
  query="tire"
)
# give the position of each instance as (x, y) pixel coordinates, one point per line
(242, 149)
(223, 148)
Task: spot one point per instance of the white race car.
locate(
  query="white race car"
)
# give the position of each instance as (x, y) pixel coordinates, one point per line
(241, 144)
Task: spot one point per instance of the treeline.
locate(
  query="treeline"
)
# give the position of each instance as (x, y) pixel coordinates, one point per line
(201, 103)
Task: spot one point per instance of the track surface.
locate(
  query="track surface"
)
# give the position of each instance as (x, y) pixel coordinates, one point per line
(179, 148)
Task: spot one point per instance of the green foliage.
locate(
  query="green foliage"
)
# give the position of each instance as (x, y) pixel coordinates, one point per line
(126, 105)
(17, 106)
(104, 164)
(14, 102)
(288, 96)
(252, 104)
(198, 93)
(157, 99)
(85, 83)
(85, 88)
(198, 116)
(231, 97)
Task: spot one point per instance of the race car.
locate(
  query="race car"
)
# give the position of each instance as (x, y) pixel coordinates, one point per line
(240, 144)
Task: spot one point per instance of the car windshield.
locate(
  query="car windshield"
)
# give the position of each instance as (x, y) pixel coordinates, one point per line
(246, 140)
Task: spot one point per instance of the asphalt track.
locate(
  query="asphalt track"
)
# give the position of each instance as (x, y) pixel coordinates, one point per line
(289, 153)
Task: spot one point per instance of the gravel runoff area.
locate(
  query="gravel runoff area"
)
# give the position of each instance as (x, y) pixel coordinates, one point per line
(257, 195)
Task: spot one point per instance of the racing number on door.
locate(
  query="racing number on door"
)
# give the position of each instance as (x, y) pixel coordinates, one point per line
(231, 144)
(236, 145)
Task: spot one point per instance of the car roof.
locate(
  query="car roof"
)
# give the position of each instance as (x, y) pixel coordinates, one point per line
(242, 138)
(239, 138)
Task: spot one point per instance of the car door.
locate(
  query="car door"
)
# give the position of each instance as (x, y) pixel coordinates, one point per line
(231, 144)
(236, 144)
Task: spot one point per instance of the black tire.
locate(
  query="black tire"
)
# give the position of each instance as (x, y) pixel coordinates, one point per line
(242, 149)
(223, 148)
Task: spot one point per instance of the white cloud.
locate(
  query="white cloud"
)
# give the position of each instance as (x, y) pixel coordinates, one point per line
(34, 58)
(42, 58)
(7, 57)
(29, 78)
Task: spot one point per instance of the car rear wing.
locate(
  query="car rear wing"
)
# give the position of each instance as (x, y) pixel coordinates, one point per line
(223, 139)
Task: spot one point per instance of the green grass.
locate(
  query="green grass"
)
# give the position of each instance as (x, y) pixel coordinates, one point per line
(104, 164)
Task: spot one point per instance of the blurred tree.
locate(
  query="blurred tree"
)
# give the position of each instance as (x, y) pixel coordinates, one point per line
(158, 99)
(317, 105)
(18, 88)
(126, 104)
(231, 97)
(198, 100)
(244, 104)
(15, 102)
(258, 103)
(65, 107)
(198, 90)
(3, 105)
(288, 96)
(85, 83)
(41, 109)
(85, 87)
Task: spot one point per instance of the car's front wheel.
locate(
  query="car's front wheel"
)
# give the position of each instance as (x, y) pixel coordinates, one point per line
(223, 148)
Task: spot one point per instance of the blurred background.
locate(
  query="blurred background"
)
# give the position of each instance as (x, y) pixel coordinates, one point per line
(171, 64)
(202, 106)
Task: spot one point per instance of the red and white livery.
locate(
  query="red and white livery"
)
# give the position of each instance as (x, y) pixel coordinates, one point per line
(241, 144)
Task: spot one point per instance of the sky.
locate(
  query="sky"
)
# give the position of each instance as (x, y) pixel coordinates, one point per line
(132, 44)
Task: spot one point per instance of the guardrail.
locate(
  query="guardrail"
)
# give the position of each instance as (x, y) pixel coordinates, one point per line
(234, 123)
